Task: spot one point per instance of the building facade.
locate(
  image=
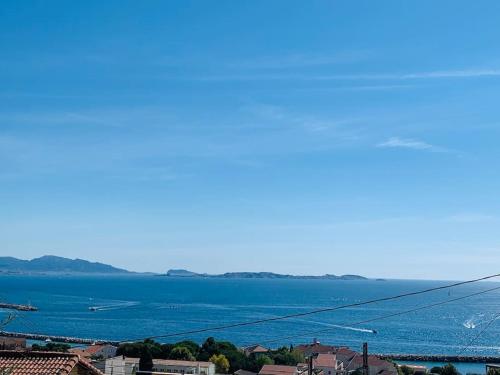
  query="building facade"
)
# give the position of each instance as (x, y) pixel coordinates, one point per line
(12, 343)
(128, 366)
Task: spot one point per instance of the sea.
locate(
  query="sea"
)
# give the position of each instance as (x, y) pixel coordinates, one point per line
(131, 307)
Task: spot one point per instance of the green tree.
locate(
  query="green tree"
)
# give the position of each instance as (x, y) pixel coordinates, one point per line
(182, 353)
(221, 363)
(135, 349)
(51, 347)
(165, 350)
(449, 369)
(493, 371)
(237, 360)
(193, 347)
(146, 359)
(262, 360)
(405, 370)
(208, 349)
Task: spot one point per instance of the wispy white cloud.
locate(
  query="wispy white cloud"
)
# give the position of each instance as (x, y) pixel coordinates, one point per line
(304, 121)
(429, 75)
(299, 60)
(464, 73)
(413, 144)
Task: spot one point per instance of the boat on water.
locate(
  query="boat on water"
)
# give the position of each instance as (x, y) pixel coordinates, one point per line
(93, 308)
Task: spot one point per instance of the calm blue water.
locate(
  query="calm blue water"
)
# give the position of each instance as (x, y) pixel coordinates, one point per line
(140, 306)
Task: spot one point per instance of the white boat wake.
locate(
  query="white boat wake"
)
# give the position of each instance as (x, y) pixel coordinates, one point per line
(349, 328)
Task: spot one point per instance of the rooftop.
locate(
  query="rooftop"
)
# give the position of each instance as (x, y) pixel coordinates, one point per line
(43, 363)
(277, 370)
(325, 360)
(256, 349)
(89, 351)
(316, 348)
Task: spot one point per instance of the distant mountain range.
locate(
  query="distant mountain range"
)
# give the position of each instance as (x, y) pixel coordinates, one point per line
(54, 264)
(259, 275)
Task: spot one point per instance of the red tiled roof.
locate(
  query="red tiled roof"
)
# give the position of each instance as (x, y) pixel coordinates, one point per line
(316, 348)
(92, 349)
(256, 349)
(42, 363)
(80, 352)
(372, 361)
(346, 355)
(277, 370)
(325, 360)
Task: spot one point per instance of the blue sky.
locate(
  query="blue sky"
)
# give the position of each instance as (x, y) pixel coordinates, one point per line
(288, 136)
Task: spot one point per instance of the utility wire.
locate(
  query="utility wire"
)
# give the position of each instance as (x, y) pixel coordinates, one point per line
(385, 316)
(329, 309)
(419, 308)
(474, 339)
(4, 322)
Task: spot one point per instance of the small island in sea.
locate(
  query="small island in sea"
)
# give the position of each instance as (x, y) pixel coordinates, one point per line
(259, 275)
(50, 264)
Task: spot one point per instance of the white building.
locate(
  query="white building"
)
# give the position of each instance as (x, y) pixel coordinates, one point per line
(129, 366)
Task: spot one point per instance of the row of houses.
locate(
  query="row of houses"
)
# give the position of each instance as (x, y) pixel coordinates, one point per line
(128, 366)
(326, 360)
(102, 359)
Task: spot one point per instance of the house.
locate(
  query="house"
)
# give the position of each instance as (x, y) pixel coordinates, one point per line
(316, 348)
(255, 349)
(12, 343)
(328, 363)
(346, 360)
(345, 355)
(376, 366)
(95, 354)
(96, 351)
(44, 363)
(279, 370)
(127, 366)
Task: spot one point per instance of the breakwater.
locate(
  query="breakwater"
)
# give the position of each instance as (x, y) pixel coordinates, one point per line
(63, 339)
(441, 358)
(13, 306)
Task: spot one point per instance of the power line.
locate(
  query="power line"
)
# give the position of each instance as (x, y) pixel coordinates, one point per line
(419, 308)
(474, 339)
(4, 322)
(384, 316)
(329, 309)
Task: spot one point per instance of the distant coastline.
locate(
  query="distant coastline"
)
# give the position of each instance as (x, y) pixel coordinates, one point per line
(50, 264)
(55, 265)
(259, 275)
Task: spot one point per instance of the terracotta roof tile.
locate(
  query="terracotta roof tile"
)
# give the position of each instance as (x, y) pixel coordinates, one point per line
(42, 363)
(277, 370)
(325, 360)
